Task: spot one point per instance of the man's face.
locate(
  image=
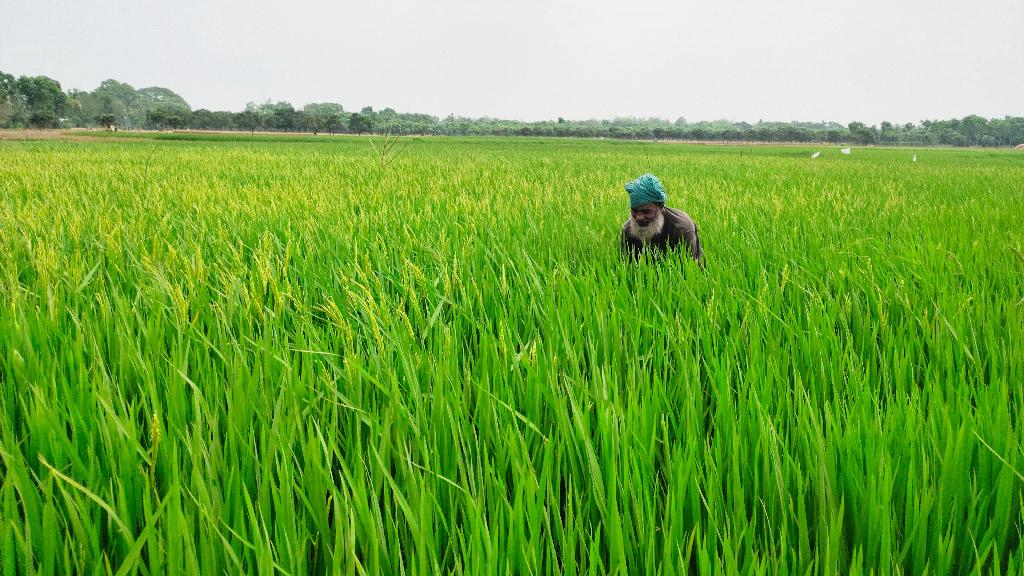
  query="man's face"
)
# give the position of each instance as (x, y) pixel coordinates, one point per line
(645, 213)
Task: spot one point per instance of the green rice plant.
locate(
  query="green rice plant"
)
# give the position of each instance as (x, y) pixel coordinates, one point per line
(273, 356)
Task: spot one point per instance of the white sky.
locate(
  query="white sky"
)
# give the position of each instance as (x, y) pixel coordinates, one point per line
(868, 60)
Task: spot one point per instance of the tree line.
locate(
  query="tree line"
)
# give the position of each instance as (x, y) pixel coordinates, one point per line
(39, 101)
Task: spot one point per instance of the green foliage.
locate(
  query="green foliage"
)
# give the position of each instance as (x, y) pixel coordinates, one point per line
(324, 116)
(107, 120)
(332, 123)
(119, 99)
(43, 118)
(266, 357)
(324, 109)
(152, 107)
(12, 111)
(135, 108)
(247, 120)
(167, 116)
(31, 101)
(360, 123)
(42, 95)
(156, 97)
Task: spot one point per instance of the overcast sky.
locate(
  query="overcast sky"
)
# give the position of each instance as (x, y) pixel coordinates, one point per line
(868, 60)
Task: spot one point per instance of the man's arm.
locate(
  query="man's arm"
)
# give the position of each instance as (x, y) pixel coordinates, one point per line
(692, 241)
(685, 233)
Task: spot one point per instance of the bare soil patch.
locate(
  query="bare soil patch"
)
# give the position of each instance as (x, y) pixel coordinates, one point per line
(65, 135)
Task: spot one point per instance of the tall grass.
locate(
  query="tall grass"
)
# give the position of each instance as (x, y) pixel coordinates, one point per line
(277, 357)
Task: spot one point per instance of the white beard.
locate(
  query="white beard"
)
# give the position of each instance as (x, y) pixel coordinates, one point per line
(646, 233)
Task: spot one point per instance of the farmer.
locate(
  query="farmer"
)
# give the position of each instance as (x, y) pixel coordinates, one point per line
(654, 227)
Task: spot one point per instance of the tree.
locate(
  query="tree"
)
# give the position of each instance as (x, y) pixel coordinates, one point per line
(44, 118)
(319, 113)
(359, 124)
(248, 120)
(119, 99)
(888, 133)
(282, 116)
(323, 108)
(304, 122)
(223, 120)
(862, 134)
(203, 119)
(167, 117)
(332, 123)
(12, 106)
(84, 109)
(156, 97)
(385, 120)
(39, 101)
(44, 100)
(974, 128)
(417, 123)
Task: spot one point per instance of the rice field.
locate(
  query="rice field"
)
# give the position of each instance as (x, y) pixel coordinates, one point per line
(288, 357)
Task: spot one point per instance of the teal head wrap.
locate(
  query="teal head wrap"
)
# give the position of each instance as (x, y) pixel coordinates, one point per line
(644, 190)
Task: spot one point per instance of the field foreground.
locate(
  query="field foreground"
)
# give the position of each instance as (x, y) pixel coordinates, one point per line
(288, 357)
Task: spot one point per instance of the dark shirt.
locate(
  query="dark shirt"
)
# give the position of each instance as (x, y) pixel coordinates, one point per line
(678, 229)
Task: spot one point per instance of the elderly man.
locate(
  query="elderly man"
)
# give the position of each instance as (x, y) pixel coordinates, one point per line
(655, 228)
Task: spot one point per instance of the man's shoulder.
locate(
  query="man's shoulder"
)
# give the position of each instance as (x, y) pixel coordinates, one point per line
(679, 220)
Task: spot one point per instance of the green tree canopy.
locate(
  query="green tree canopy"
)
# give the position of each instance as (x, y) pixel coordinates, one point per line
(44, 99)
(360, 123)
(156, 97)
(39, 101)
